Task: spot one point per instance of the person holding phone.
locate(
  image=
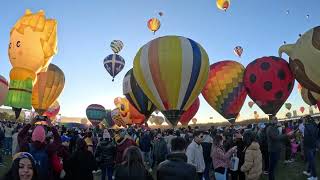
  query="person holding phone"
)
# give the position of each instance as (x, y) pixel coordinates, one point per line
(221, 158)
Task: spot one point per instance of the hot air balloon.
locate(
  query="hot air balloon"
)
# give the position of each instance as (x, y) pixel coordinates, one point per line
(223, 4)
(84, 121)
(307, 16)
(302, 109)
(116, 46)
(160, 13)
(256, 115)
(53, 110)
(33, 43)
(169, 58)
(136, 96)
(288, 106)
(158, 120)
(194, 120)
(190, 113)
(47, 89)
(95, 113)
(269, 82)
(238, 50)
(307, 97)
(154, 24)
(288, 115)
(113, 63)
(303, 59)
(250, 104)
(3, 89)
(128, 112)
(116, 117)
(224, 90)
(287, 11)
(108, 119)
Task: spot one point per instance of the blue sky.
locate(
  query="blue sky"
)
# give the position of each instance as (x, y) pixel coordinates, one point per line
(85, 29)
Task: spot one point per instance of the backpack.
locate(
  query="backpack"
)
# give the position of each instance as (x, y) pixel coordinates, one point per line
(42, 162)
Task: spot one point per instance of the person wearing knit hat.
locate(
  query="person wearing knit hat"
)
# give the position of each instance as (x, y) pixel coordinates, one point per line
(38, 134)
(106, 134)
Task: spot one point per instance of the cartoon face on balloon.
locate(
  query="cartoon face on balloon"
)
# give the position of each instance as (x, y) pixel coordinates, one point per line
(304, 59)
(269, 82)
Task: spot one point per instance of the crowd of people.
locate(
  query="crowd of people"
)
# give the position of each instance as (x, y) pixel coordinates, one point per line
(238, 153)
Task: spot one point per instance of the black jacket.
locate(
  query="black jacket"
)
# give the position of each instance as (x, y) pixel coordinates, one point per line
(106, 153)
(82, 163)
(176, 168)
(206, 146)
(122, 173)
(310, 135)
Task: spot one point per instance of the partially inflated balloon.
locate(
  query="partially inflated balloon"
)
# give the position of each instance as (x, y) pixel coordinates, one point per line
(171, 71)
(304, 59)
(33, 43)
(190, 113)
(288, 106)
(53, 110)
(47, 89)
(136, 96)
(116, 117)
(154, 24)
(113, 63)
(269, 82)
(128, 112)
(308, 97)
(223, 4)
(3, 89)
(250, 104)
(194, 120)
(95, 113)
(116, 46)
(224, 90)
(108, 119)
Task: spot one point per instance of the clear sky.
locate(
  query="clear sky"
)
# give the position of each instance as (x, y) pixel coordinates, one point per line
(86, 28)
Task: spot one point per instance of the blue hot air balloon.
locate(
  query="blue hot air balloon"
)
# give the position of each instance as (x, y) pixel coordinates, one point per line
(113, 63)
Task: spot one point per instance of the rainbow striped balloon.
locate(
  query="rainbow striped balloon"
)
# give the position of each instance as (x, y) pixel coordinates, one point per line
(171, 71)
(224, 90)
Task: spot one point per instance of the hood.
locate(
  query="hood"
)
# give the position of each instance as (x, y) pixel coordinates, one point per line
(254, 146)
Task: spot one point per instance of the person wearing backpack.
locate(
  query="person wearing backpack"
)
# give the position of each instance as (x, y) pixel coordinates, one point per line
(38, 148)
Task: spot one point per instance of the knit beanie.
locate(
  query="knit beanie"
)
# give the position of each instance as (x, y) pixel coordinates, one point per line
(38, 134)
(106, 134)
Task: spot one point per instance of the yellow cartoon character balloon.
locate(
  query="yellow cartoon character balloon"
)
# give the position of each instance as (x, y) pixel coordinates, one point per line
(33, 42)
(305, 59)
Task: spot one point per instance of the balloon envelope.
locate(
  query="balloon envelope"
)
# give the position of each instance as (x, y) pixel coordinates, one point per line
(116, 46)
(108, 119)
(288, 106)
(302, 109)
(53, 110)
(224, 90)
(307, 97)
(238, 50)
(95, 113)
(169, 58)
(154, 24)
(250, 104)
(269, 82)
(48, 88)
(4, 88)
(223, 4)
(136, 96)
(190, 113)
(113, 63)
(116, 117)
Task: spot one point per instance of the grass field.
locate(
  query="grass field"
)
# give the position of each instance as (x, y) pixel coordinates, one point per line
(292, 171)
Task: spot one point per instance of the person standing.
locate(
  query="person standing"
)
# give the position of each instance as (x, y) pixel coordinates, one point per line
(176, 166)
(206, 146)
(145, 146)
(310, 139)
(195, 153)
(8, 131)
(274, 145)
(159, 149)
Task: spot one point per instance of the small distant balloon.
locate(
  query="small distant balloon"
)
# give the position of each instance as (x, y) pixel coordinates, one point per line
(287, 11)
(116, 46)
(238, 50)
(307, 16)
(160, 13)
(284, 42)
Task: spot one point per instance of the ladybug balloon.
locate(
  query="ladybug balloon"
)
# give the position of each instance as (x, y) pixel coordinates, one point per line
(269, 82)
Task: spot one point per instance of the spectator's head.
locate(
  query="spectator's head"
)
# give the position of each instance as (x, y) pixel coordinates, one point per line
(82, 145)
(106, 134)
(248, 137)
(23, 167)
(198, 136)
(218, 140)
(178, 144)
(38, 134)
(65, 140)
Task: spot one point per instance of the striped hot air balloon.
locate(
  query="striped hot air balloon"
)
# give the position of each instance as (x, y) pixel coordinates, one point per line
(47, 89)
(224, 90)
(154, 24)
(95, 113)
(113, 63)
(190, 113)
(4, 88)
(116, 46)
(135, 95)
(238, 50)
(171, 71)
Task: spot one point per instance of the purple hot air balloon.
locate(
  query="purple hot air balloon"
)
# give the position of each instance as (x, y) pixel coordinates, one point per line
(113, 63)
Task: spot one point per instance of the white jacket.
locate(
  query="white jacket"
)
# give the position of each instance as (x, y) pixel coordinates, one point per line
(195, 156)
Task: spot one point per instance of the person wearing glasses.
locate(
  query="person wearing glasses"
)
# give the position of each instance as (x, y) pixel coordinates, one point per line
(23, 168)
(195, 153)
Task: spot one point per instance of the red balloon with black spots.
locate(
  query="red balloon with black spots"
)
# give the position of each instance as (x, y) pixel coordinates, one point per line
(269, 82)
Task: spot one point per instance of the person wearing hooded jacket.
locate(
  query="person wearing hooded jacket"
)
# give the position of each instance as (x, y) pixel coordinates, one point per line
(123, 142)
(252, 166)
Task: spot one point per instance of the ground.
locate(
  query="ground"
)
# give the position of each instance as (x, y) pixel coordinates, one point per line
(291, 171)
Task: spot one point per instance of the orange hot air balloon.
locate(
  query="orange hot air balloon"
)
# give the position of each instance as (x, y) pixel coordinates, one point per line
(128, 112)
(154, 24)
(223, 4)
(47, 89)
